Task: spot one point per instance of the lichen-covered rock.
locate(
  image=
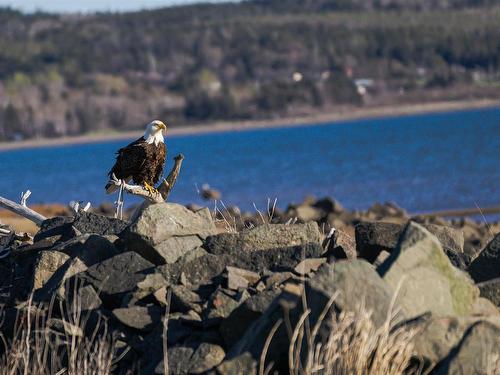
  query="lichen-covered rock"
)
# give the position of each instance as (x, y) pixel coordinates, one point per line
(424, 277)
(164, 232)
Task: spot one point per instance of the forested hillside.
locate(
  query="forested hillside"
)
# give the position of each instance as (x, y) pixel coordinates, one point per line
(71, 74)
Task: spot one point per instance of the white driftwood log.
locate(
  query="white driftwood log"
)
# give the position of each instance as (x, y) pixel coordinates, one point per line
(161, 194)
(22, 210)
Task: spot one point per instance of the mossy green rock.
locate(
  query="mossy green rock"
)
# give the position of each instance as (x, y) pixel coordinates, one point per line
(424, 278)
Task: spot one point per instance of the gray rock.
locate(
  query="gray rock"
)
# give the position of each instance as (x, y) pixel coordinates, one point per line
(205, 268)
(238, 278)
(484, 307)
(234, 326)
(356, 282)
(491, 290)
(305, 213)
(243, 364)
(436, 337)
(88, 222)
(179, 361)
(165, 232)
(373, 237)
(55, 229)
(309, 265)
(46, 264)
(147, 287)
(184, 299)
(220, 305)
(276, 279)
(475, 353)
(206, 357)
(88, 298)
(56, 285)
(341, 246)
(425, 276)
(459, 260)
(487, 264)
(139, 317)
(263, 237)
(117, 276)
(89, 248)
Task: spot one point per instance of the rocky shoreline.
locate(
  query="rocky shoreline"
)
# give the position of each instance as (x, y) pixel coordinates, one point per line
(188, 292)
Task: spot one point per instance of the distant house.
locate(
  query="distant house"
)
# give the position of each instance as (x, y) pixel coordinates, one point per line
(363, 84)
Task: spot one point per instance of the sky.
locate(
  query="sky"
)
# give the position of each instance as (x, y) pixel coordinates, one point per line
(92, 5)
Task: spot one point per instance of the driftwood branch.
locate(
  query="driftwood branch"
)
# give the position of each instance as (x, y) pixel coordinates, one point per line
(24, 198)
(22, 210)
(161, 194)
(169, 182)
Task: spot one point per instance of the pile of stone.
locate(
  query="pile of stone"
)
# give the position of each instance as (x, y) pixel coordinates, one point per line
(224, 292)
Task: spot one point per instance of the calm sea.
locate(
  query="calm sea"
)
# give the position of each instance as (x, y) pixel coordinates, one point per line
(423, 163)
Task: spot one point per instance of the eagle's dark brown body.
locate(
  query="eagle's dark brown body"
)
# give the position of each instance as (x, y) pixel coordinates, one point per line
(141, 162)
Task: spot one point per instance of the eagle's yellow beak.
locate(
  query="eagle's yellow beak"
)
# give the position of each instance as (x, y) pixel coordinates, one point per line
(162, 126)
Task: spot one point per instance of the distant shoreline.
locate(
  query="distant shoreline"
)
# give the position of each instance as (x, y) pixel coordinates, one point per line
(343, 114)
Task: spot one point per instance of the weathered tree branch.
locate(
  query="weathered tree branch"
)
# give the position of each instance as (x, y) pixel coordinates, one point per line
(22, 210)
(168, 183)
(163, 191)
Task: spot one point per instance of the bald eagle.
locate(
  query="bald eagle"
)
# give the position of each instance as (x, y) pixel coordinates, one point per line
(141, 161)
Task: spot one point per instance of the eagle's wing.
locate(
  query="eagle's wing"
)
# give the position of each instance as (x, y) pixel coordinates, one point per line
(162, 155)
(129, 160)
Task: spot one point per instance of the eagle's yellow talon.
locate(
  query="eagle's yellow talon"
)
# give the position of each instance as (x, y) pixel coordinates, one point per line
(150, 189)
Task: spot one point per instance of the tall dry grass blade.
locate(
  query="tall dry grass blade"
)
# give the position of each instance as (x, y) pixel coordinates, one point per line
(165, 333)
(262, 369)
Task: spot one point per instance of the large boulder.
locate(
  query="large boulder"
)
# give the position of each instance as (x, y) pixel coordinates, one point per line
(164, 232)
(263, 237)
(424, 278)
(347, 286)
(476, 353)
(373, 237)
(486, 266)
(437, 337)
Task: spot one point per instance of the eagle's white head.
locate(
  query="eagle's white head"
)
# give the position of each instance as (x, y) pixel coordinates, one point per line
(154, 132)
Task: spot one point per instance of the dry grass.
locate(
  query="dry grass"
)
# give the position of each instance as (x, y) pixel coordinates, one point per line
(353, 345)
(45, 345)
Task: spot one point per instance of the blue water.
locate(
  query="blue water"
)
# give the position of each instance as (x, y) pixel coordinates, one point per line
(422, 162)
